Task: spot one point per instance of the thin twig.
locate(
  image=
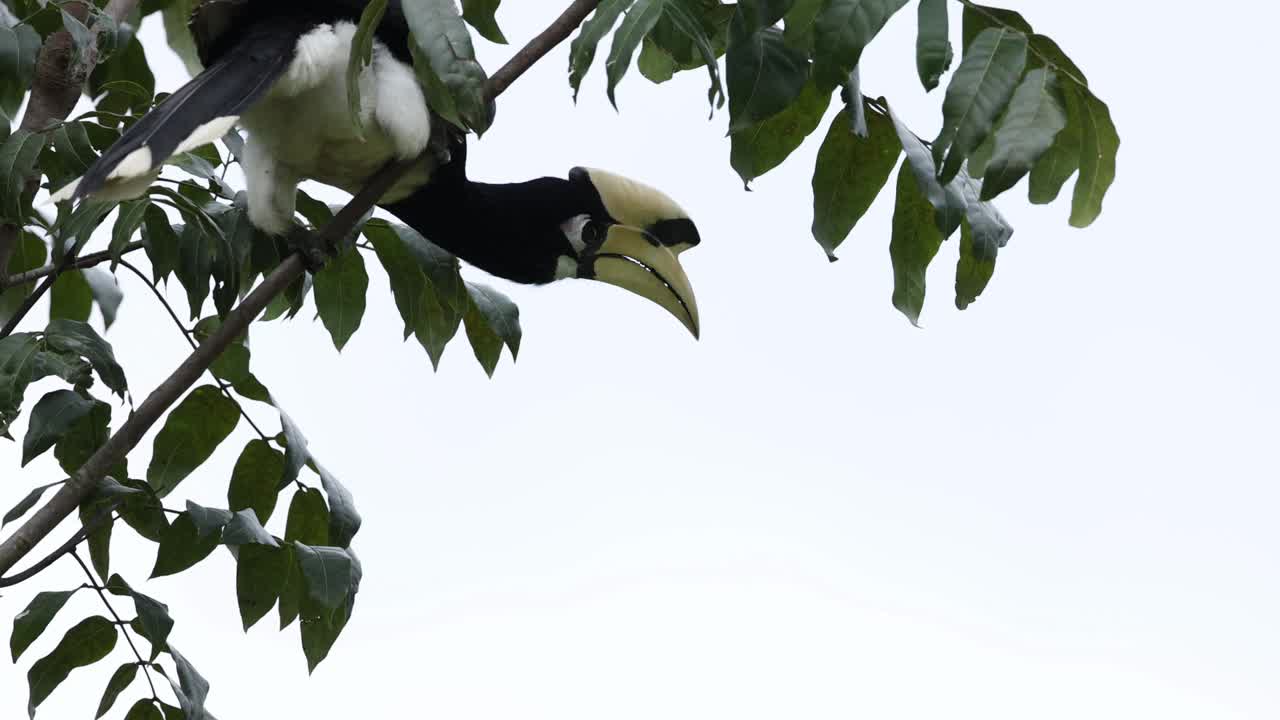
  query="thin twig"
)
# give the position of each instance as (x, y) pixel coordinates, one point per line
(192, 342)
(128, 632)
(93, 524)
(81, 263)
(131, 432)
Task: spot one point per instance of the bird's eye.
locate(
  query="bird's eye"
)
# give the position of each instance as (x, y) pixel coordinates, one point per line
(592, 234)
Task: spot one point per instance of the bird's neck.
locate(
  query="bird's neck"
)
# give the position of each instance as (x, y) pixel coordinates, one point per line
(511, 230)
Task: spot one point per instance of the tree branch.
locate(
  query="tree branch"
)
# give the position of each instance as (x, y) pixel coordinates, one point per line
(81, 484)
(59, 81)
(82, 262)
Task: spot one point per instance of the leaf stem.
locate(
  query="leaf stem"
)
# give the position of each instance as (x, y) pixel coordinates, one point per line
(128, 631)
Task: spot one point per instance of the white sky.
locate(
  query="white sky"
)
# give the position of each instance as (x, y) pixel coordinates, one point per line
(1058, 504)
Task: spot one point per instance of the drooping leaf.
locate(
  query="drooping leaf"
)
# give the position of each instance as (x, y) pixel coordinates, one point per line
(191, 688)
(84, 438)
(582, 50)
(51, 419)
(96, 519)
(19, 46)
(70, 297)
(120, 680)
(308, 519)
(244, 529)
(340, 292)
(762, 147)
(208, 521)
(344, 520)
(850, 173)
(85, 644)
(79, 338)
(948, 204)
(18, 359)
(327, 573)
(132, 214)
(32, 621)
(763, 73)
(446, 63)
(975, 268)
(978, 18)
(640, 19)
(153, 615)
(144, 709)
(25, 504)
(978, 93)
(427, 316)
(933, 44)
(143, 511)
(29, 253)
(1034, 117)
(479, 14)
(256, 478)
(1099, 145)
(18, 155)
(160, 239)
(915, 242)
(193, 430)
(182, 547)
(360, 57)
(297, 452)
(842, 30)
(492, 320)
(261, 573)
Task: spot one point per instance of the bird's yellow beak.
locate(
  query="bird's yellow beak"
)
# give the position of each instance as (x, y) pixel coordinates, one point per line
(632, 259)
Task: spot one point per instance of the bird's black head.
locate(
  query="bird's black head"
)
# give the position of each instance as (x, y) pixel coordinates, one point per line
(595, 225)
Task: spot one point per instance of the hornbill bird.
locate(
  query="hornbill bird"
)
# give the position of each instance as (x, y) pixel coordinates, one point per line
(279, 69)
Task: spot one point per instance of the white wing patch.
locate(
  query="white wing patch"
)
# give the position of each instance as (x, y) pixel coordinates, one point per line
(135, 163)
(207, 133)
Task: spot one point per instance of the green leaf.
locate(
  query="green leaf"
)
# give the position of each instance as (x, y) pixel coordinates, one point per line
(120, 680)
(88, 642)
(182, 547)
(764, 146)
(95, 518)
(1099, 145)
(29, 253)
(308, 519)
(208, 521)
(19, 46)
(850, 173)
(361, 56)
(321, 626)
(19, 354)
(261, 573)
(256, 478)
(492, 321)
(297, 453)
(340, 292)
(132, 214)
(479, 14)
(978, 18)
(842, 30)
(153, 615)
(191, 689)
(441, 47)
(143, 511)
(127, 67)
(291, 589)
(798, 24)
(18, 154)
(427, 315)
(327, 572)
(71, 297)
(79, 338)
(582, 51)
(1034, 117)
(84, 438)
(244, 529)
(32, 621)
(978, 93)
(160, 239)
(933, 44)
(640, 19)
(948, 204)
(194, 269)
(344, 520)
(143, 710)
(914, 243)
(973, 272)
(24, 506)
(1056, 166)
(763, 73)
(106, 292)
(51, 419)
(191, 433)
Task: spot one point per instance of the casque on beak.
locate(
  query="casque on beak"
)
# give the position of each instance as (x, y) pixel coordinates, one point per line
(633, 259)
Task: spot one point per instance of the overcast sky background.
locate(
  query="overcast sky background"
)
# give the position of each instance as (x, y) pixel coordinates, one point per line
(1058, 504)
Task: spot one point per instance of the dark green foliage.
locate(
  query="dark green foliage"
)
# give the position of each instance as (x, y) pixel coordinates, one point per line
(88, 642)
(195, 428)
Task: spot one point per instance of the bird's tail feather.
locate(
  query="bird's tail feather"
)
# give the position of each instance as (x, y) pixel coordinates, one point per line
(200, 112)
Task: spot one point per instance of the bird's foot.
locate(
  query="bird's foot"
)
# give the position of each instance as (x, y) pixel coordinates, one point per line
(315, 252)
